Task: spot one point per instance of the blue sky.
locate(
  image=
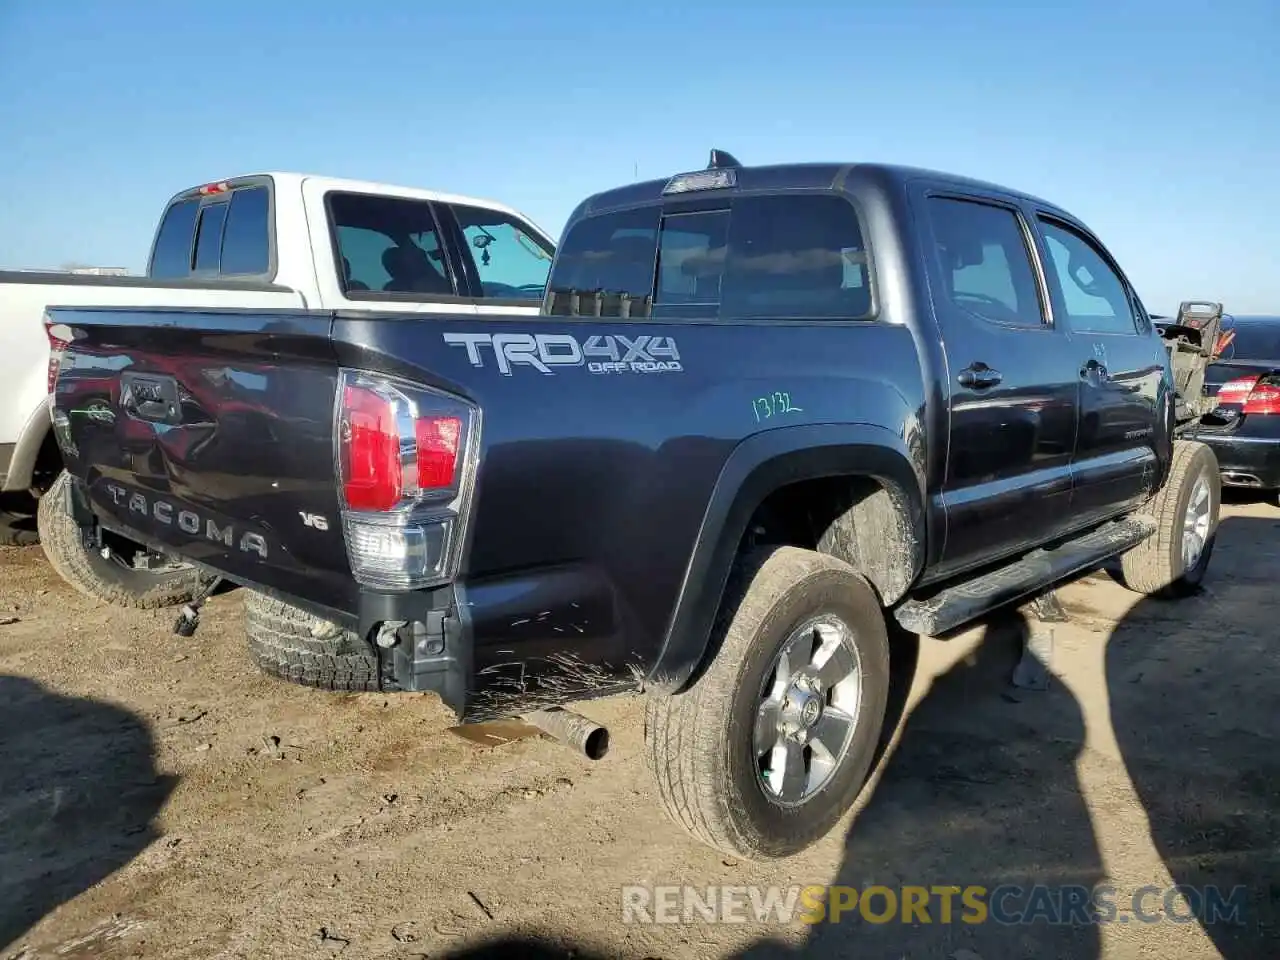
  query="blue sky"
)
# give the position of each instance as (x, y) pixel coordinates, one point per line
(1157, 123)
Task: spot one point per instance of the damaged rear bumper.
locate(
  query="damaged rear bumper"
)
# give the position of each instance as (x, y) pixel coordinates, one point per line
(493, 648)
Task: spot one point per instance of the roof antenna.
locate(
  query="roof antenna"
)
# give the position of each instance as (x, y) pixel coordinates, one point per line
(721, 159)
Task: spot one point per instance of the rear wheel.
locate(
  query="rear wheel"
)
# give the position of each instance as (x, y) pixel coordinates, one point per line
(1172, 562)
(291, 644)
(771, 746)
(118, 571)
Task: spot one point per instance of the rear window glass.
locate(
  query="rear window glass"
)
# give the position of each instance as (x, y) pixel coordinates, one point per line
(798, 256)
(1255, 341)
(209, 237)
(613, 255)
(172, 254)
(224, 234)
(388, 245)
(691, 255)
(246, 239)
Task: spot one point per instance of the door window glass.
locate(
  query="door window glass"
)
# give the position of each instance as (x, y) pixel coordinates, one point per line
(1096, 299)
(986, 267)
(511, 260)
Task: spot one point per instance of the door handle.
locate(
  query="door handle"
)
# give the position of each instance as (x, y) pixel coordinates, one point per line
(978, 376)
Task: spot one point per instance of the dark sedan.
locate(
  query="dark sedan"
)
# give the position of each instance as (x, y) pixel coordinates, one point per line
(1244, 429)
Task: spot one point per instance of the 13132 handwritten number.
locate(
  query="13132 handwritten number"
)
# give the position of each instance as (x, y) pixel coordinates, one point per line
(774, 405)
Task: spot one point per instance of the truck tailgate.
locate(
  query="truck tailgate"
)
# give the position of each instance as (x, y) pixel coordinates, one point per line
(211, 434)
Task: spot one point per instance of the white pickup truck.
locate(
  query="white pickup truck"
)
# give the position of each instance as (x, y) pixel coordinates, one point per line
(278, 241)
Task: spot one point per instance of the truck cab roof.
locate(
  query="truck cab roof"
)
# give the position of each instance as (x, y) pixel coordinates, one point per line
(293, 180)
(802, 176)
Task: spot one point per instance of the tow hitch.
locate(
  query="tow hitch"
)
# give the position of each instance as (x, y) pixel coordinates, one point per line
(189, 617)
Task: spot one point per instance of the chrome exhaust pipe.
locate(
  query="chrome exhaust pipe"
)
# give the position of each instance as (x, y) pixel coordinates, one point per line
(1236, 478)
(571, 729)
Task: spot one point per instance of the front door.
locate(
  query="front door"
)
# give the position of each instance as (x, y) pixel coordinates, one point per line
(1120, 366)
(1010, 381)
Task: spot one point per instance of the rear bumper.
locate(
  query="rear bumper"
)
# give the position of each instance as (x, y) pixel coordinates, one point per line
(1245, 461)
(489, 649)
(431, 657)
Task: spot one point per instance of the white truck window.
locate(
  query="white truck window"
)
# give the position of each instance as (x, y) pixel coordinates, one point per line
(510, 263)
(209, 237)
(231, 233)
(246, 237)
(172, 255)
(388, 245)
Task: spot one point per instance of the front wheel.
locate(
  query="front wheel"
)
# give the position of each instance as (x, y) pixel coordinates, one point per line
(772, 744)
(1173, 560)
(119, 572)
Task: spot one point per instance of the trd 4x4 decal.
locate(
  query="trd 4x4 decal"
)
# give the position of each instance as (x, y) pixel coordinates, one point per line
(607, 353)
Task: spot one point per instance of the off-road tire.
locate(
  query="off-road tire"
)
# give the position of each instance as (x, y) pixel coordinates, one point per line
(698, 742)
(293, 645)
(99, 577)
(1155, 567)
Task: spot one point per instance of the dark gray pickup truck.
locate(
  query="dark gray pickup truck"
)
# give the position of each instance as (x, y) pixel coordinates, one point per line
(764, 412)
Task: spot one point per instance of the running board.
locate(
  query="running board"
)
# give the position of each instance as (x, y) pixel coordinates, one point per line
(1023, 578)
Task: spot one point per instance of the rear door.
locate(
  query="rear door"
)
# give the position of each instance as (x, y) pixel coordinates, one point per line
(1120, 363)
(1010, 381)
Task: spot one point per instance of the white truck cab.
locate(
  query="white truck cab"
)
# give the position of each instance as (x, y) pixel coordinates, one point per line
(347, 244)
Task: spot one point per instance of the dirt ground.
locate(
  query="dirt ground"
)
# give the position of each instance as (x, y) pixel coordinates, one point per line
(160, 798)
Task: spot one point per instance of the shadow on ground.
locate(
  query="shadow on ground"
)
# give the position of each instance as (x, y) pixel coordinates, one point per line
(78, 795)
(987, 774)
(1195, 702)
(983, 774)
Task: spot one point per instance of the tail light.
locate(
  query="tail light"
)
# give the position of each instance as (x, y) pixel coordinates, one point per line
(406, 457)
(59, 335)
(1254, 395)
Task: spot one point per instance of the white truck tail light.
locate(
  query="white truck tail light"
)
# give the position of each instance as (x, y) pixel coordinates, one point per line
(406, 459)
(60, 336)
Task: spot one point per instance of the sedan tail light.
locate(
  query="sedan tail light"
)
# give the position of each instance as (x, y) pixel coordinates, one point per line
(1254, 394)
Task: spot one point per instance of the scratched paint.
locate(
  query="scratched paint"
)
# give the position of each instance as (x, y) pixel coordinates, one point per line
(519, 686)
